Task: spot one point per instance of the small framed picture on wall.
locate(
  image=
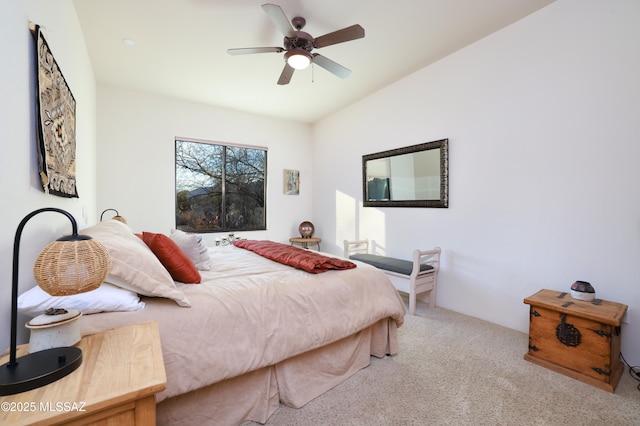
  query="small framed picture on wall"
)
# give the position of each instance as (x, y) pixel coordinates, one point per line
(291, 181)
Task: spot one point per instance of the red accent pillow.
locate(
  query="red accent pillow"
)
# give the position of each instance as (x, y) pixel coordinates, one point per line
(172, 258)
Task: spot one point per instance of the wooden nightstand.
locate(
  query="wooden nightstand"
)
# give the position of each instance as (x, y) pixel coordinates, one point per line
(304, 242)
(122, 370)
(576, 338)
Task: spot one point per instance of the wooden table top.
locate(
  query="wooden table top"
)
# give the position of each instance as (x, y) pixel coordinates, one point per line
(304, 240)
(603, 311)
(118, 366)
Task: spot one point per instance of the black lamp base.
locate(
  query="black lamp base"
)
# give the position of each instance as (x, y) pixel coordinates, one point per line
(38, 369)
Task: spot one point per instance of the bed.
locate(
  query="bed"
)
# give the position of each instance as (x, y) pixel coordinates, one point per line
(253, 333)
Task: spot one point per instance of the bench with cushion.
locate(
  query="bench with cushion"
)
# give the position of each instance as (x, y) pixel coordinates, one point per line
(412, 277)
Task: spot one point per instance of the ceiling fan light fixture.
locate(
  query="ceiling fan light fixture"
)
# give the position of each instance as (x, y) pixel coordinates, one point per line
(298, 58)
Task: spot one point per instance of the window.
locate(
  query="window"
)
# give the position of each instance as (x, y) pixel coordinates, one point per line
(220, 187)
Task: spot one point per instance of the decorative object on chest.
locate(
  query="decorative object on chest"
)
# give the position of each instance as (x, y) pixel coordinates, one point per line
(578, 338)
(583, 290)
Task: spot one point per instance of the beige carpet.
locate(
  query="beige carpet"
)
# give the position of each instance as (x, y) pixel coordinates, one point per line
(457, 370)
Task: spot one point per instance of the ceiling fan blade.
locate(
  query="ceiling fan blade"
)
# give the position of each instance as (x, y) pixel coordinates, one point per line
(332, 67)
(280, 20)
(286, 75)
(248, 50)
(346, 34)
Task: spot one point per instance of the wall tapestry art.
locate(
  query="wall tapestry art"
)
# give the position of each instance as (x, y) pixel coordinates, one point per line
(291, 182)
(56, 131)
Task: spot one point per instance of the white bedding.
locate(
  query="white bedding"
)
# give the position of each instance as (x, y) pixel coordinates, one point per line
(250, 312)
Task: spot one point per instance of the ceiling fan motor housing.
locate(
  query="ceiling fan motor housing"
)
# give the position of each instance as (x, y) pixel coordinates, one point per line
(302, 40)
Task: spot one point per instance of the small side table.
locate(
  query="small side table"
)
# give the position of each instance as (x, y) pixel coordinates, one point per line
(304, 242)
(122, 369)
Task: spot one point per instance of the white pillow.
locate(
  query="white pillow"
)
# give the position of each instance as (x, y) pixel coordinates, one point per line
(194, 247)
(133, 264)
(106, 298)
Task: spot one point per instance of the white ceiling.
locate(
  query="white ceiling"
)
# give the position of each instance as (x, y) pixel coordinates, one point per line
(181, 48)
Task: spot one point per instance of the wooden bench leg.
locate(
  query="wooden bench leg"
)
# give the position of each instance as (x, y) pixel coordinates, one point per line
(412, 303)
(412, 295)
(432, 297)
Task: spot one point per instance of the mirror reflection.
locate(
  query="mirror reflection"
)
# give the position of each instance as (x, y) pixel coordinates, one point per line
(414, 176)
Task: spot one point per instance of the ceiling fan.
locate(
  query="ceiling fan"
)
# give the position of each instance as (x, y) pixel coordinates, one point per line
(298, 44)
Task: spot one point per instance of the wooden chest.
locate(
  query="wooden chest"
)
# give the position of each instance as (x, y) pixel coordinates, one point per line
(576, 338)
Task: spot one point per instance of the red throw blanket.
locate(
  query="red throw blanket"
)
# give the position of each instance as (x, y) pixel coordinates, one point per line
(306, 260)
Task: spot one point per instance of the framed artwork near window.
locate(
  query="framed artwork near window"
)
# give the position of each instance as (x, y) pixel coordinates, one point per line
(291, 181)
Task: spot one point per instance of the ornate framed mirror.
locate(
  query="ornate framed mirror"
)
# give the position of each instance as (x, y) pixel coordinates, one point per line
(413, 176)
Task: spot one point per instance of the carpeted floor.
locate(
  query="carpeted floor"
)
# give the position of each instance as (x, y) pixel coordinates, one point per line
(455, 370)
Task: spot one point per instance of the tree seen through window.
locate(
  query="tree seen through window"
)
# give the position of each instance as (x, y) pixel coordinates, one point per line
(220, 187)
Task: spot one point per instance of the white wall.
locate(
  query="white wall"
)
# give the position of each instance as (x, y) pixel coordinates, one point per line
(136, 158)
(21, 191)
(543, 128)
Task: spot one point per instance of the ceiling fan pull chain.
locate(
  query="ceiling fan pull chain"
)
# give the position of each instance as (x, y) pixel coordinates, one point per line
(313, 74)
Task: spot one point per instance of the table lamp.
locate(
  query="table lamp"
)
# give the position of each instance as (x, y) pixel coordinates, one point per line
(116, 217)
(72, 264)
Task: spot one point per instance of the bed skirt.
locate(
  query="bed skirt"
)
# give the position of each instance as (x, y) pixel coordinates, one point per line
(294, 382)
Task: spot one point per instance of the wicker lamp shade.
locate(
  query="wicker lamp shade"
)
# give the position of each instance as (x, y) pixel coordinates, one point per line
(62, 269)
(120, 218)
